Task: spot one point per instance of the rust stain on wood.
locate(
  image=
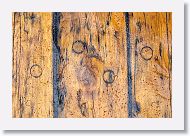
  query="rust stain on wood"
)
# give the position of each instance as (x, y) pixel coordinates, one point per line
(92, 65)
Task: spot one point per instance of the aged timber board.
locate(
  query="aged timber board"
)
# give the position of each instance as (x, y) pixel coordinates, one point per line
(92, 65)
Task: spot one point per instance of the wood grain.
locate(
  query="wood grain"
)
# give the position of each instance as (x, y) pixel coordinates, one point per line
(92, 65)
(90, 45)
(151, 55)
(32, 89)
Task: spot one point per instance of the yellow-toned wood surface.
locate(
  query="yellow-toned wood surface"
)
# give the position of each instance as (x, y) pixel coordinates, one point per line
(92, 65)
(32, 89)
(151, 60)
(93, 46)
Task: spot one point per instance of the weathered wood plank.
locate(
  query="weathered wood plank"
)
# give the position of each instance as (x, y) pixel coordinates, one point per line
(98, 65)
(93, 72)
(151, 60)
(32, 93)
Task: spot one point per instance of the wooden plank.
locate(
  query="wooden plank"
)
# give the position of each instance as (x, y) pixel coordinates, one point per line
(93, 71)
(94, 65)
(151, 60)
(32, 89)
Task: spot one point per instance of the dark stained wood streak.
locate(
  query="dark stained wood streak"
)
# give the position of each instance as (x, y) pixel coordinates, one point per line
(56, 61)
(129, 75)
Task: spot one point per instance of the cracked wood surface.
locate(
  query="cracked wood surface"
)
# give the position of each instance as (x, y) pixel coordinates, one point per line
(92, 65)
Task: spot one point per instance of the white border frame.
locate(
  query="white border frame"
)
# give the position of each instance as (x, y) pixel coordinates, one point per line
(174, 123)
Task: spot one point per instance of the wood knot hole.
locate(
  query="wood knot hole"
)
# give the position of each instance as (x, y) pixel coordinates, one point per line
(36, 70)
(146, 53)
(78, 47)
(108, 76)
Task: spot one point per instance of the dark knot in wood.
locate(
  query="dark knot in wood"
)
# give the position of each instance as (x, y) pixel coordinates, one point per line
(146, 53)
(36, 70)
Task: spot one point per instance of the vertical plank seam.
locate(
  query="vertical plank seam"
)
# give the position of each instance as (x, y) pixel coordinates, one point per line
(129, 75)
(56, 61)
